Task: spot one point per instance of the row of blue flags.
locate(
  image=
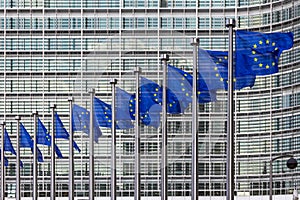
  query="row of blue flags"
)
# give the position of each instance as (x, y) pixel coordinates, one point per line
(256, 54)
(43, 138)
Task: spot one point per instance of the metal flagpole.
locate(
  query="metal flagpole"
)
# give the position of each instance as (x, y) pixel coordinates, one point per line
(71, 151)
(194, 192)
(53, 192)
(113, 185)
(2, 162)
(164, 146)
(91, 146)
(35, 170)
(137, 188)
(18, 178)
(230, 23)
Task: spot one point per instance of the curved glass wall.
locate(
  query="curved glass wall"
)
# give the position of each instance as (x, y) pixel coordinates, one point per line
(55, 49)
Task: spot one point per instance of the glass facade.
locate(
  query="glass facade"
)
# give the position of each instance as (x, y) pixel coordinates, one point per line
(51, 50)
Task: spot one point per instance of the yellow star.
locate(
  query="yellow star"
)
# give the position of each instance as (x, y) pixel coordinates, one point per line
(225, 58)
(254, 46)
(217, 75)
(220, 59)
(253, 52)
(273, 63)
(267, 41)
(260, 64)
(267, 66)
(183, 89)
(187, 94)
(255, 59)
(273, 43)
(234, 80)
(170, 105)
(215, 68)
(156, 89)
(260, 42)
(221, 79)
(199, 92)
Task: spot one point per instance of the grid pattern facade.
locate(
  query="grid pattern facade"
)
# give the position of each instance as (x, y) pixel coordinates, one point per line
(51, 50)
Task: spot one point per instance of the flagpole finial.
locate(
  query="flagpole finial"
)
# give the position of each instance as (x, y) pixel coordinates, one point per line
(165, 57)
(17, 117)
(35, 112)
(53, 106)
(137, 70)
(91, 90)
(113, 81)
(70, 99)
(230, 22)
(3, 123)
(194, 41)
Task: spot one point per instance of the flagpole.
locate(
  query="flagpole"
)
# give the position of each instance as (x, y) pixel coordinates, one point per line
(164, 146)
(18, 174)
(91, 146)
(113, 185)
(2, 162)
(71, 151)
(35, 186)
(230, 23)
(137, 188)
(53, 192)
(194, 192)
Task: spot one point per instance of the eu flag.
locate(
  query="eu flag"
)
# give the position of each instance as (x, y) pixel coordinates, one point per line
(150, 103)
(44, 138)
(5, 160)
(27, 142)
(81, 122)
(61, 132)
(260, 52)
(123, 117)
(181, 84)
(102, 113)
(243, 77)
(7, 143)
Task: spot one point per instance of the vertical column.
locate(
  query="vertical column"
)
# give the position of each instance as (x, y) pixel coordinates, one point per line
(164, 145)
(230, 23)
(113, 185)
(53, 189)
(137, 168)
(18, 175)
(2, 162)
(195, 137)
(35, 170)
(91, 147)
(71, 151)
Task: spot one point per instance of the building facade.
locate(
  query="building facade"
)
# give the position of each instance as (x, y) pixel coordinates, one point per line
(51, 50)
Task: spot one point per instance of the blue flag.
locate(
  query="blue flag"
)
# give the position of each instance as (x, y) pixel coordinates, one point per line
(123, 117)
(27, 142)
(150, 103)
(44, 138)
(7, 143)
(5, 160)
(61, 132)
(260, 52)
(102, 112)
(181, 84)
(243, 76)
(208, 76)
(81, 121)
